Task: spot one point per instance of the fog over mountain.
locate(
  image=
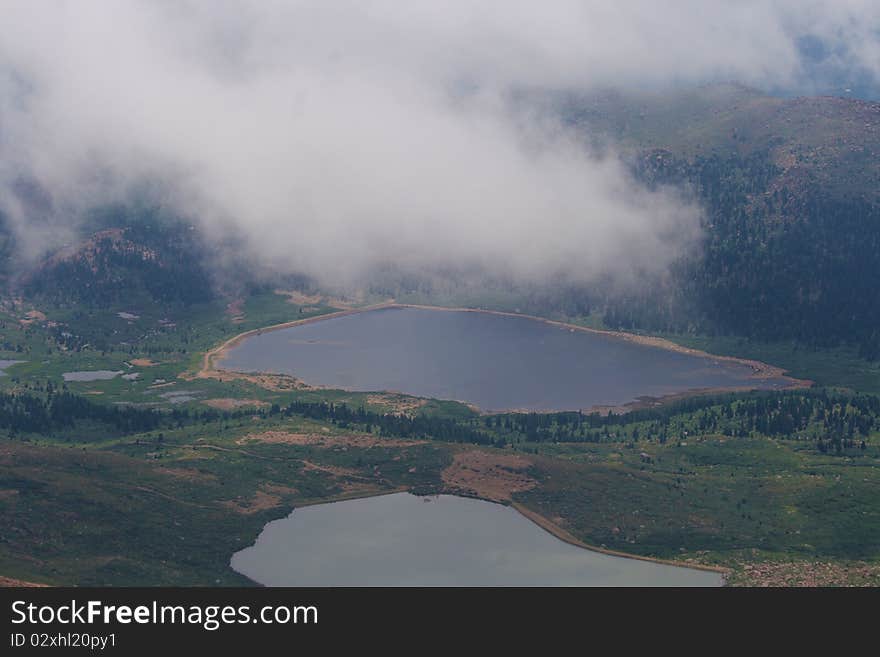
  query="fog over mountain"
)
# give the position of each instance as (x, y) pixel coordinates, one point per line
(336, 135)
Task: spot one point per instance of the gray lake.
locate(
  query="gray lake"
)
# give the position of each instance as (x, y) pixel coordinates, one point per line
(405, 540)
(496, 362)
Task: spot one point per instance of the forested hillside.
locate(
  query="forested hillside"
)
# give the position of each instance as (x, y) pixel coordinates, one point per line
(792, 214)
(128, 258)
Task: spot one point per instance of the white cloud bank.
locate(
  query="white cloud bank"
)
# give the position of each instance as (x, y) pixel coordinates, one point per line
(338, 134)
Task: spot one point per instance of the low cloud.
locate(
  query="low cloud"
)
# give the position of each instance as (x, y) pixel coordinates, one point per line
(337, 135)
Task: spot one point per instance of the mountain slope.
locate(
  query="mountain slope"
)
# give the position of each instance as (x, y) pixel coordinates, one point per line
(791, 192)
(143, 260)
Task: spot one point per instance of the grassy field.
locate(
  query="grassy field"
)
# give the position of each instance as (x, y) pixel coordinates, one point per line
(146, 510)
(715, 500)
(172, 507)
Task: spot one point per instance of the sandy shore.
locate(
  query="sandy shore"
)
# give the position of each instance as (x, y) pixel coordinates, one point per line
(548, 525)
(11, 582)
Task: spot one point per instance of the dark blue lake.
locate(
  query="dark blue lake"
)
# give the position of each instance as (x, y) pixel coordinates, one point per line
(496, 362)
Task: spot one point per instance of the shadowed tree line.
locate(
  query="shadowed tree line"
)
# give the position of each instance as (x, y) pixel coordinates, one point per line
(833, 421)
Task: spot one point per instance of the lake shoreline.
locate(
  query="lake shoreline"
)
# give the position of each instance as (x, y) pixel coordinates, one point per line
(551, 527)
(219, 352)
(760, 370)
(211, 368)
(536, 518)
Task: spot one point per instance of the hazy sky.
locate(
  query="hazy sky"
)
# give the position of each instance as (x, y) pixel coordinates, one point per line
(336, 134)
